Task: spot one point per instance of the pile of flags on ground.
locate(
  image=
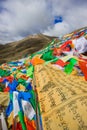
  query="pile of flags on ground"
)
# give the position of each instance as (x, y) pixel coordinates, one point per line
(19, 94)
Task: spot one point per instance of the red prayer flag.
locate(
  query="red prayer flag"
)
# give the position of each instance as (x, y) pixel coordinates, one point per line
(83, 67)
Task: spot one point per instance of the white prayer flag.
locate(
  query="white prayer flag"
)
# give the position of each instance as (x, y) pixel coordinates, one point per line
(28, 109)
(15, 103)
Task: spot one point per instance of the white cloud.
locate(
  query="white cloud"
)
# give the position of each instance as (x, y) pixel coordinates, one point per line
(73, 13)
(19, 18)
(58, 29)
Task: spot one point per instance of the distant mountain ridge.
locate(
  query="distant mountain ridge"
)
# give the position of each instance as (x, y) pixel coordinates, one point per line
(29, 45)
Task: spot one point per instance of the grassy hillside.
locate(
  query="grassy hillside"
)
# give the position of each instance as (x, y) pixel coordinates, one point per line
(19, 49)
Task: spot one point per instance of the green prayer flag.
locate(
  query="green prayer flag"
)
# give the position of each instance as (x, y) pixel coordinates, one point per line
(69, 68)
(4, 73)
(50, 61)
(73, 61)
(47, 55)
(11, 96)
(30, 71)
(22, 81)
(32, 100)
(1, 90)
(21, 117)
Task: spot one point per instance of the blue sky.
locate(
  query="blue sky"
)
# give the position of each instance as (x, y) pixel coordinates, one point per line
(20, 18)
